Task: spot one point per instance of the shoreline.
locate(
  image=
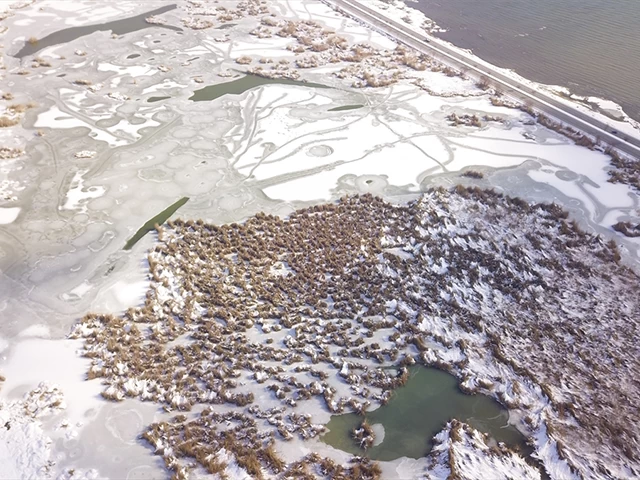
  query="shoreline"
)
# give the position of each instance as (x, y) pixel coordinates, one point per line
(411, 16)
(532, 35)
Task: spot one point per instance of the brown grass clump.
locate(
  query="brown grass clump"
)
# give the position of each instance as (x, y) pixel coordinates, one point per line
(472, 174)
(40, 62)
(7, 96)
(273, 459)
(8, 122)
(215, 466)
(21, 107)
(451, 72)
(364, 435)
(627, 229)
(483, 83)
(364, 469)
(244, 60)
(32, 40)
(7, 153)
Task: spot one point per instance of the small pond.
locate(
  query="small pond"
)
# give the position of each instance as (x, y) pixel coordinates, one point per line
(241, 85)
(417, 412)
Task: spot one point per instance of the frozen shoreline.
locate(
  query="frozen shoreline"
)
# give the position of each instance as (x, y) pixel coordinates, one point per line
(412, 17)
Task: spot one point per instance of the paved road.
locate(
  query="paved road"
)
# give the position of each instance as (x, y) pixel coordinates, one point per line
(542, 102)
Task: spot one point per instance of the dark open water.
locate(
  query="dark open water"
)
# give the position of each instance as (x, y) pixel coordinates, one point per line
(590, 46)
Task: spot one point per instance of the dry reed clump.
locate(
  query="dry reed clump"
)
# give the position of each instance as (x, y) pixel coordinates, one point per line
(277, 71)
(244, 60)
(472, 174)
(483, 83)
(8, 153)
(627, 229)
(40, 62)
(32, 40)
(155, 20)
(21, 107)
(197, 23)
(333, 274)
(468, 120)
(371, 67)
(313, 466)
(197, 10)
(364, 435)
(8, 122)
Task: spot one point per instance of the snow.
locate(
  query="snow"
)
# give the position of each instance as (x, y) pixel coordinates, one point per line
(9, 215)
(55, 118)
(25, 449)
(37, 330)
(77, 195)
(131, 70)
(378, 431)
(58, 362)
(469, 453)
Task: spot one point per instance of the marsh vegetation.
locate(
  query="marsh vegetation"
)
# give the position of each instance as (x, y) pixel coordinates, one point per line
(316, 306)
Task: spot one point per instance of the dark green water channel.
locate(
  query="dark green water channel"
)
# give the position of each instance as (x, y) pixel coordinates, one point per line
(151, 224)
(417, 412)
(119, 27)
(243, 84)
(345, 107)
(156, 99)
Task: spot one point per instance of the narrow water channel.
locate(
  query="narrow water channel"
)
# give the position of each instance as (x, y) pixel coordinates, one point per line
(119, 27)
(241, 85)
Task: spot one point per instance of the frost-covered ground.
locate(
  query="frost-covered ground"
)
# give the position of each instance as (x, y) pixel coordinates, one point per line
(86, 159)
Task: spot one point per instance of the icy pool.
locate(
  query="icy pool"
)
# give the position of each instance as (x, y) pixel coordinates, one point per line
(241, 85)
(417, 412)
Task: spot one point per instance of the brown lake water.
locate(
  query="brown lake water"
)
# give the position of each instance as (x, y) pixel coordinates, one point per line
(591, 47)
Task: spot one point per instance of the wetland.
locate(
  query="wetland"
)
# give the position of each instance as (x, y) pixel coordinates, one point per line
(330, 233)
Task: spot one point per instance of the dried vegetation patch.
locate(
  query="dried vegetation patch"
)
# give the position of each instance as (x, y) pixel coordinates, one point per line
(512, 298)
(202, 14)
